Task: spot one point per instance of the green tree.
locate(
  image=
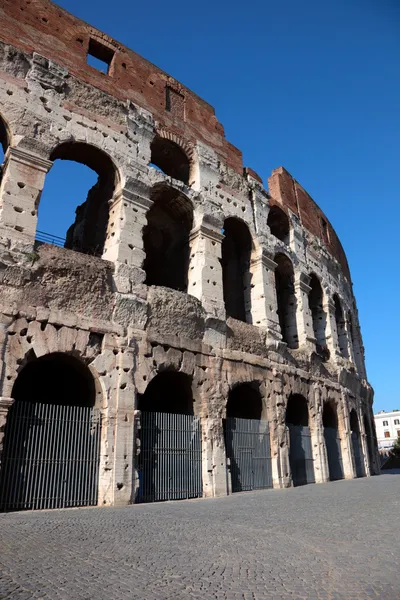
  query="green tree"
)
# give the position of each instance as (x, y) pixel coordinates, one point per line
(395, 451)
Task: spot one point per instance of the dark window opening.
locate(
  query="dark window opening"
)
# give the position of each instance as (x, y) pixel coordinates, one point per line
(354, 426)
(169, 392)
(297, 411)
(99, 56)
(329, 416)
(236, 253)
(367, 429)
(166, 239)
(286, 300)
(315, 300)
(244, 402)
(341, 327)
(170, 159)
(278, 224)
(387, 434)
(55, 379)
(78, 168)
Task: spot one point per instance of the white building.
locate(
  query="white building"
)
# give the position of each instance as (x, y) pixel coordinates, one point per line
(387, 426)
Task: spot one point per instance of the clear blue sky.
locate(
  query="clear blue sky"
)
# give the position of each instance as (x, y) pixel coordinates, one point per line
(312, 85)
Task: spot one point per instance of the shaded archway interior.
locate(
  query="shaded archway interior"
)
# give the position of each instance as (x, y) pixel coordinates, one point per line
(57, 378)
(297, 411)
(169, 392)
(89, 231)
(166, 239)
(4, 143)
(315, 300)
(244, 402)
(170, 158)
(286, 300)
(278, 224)
(236, 254)
(329, 416)
(340, 327)
(354, 425)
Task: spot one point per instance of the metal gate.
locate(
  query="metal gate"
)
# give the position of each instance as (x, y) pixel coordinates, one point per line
(170, 457)
(248, 450)
(300, 455)
(50, 457)
(355, 439)
(334, 452)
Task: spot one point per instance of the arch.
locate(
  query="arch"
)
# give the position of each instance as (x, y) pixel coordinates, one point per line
(341, 327)
(170, 157)
(356, 442)
(332, 441)
(286, 300)
(166, 238)
(168, 392)
(236, 253)
(244, 402)
(300, 450)
(88, 232)
(57, 378)
(4, 143)
(278, 224)
(315, 301)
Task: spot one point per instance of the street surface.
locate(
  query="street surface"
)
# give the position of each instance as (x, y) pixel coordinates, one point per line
(330, 541)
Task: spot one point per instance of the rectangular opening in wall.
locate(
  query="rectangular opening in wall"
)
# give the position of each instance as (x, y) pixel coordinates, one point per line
(99, 56)
(325, 232)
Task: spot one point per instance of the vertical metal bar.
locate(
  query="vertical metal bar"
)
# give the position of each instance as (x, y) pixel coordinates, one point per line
(68, 449)
(14, 441)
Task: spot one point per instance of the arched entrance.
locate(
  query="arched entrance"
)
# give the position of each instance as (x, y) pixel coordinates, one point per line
(300, 453)
(356, 442)
(52, 437)
(235, 260)
(370, 443)
(247, 440)
(286, 300)
(170, 456)
(332, 441)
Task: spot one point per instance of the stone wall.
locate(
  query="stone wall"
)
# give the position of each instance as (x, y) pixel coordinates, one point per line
(96, 304)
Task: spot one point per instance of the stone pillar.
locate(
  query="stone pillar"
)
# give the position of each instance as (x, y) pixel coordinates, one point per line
(321, 468)
(205, 271)
(5, 405)
(331, 335)
(214, 467)
(364, 443)
(349, 337)
(21, 188)
(346, 445)
(264, 305)
(303, 314)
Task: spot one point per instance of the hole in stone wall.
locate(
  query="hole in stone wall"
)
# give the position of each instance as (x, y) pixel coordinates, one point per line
(329, 416)
(166, 239)
(236, 252)
(286, 300)
(340, 327)
(99, 56)
(244, 402)
(297, 410)
(79, 171)
(169, 158)
(278, 224)
(168, 392)
(4, 143)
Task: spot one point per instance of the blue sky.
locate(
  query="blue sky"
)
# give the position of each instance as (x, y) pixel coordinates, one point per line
(310, 85)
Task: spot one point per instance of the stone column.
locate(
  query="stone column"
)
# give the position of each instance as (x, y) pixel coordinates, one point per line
(303, 314)
(205, 271)
(264, 305)
(21, 188)
(321, 468)
(215, 477)
(349, 337)
(331, 335)
(364, 443)
(5, 405)
(346, 445)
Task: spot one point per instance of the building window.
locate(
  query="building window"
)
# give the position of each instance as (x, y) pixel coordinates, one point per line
(396, 422)
(385, 423)
(99, 56)
(387, 434)
(398, 433)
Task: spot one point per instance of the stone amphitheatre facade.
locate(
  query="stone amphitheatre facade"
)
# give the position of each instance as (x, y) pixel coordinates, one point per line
(204, 323)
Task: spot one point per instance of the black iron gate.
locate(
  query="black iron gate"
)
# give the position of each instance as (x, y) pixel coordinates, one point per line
(50, 457)
(300, 455)
(334, 452)
(248, 453)
(356, 442)
(170, 457)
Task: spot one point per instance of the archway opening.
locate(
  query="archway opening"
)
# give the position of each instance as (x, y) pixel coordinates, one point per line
(286, 300)
(341, 327)
(370, 443)
(356, 442)
(78, 188)
(315, 300)
(244, 402)
(236, 253)
(278, 224)
(300, 451)
(170, 159)
(166, 239)
(58, 379)
(4, 143)
(170, 459)
(332, 441)
(52, 438)
(247, 441)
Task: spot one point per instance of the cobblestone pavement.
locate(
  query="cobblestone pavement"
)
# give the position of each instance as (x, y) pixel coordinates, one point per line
(329, 541)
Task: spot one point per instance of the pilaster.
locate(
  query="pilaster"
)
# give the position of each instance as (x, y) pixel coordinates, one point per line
(5, 405)
(303, 314)
(264, 306)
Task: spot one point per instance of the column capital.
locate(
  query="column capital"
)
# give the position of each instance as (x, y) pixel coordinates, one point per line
(25, 157)
(207, 231)
(303, 282)
(264, 259)
(132, 198)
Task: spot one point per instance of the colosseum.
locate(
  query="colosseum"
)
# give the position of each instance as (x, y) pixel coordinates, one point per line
(196, 333)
